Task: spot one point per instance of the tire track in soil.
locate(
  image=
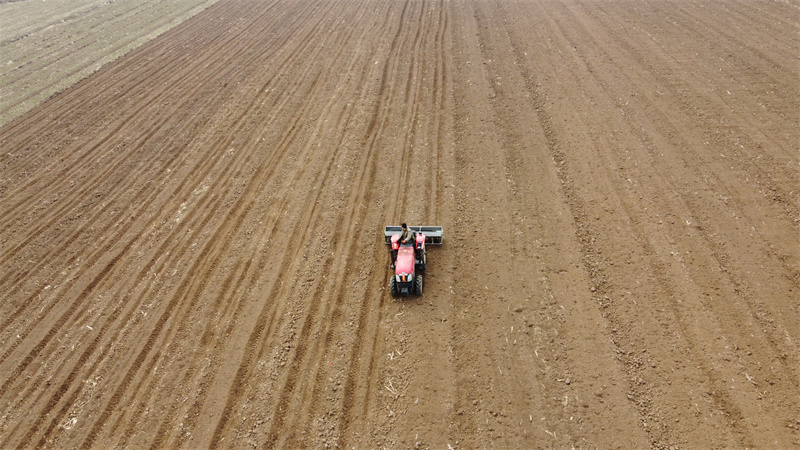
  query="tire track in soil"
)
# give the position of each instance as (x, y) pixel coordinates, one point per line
(551, 341)
(425, 100)
(716, 245)
(74, 236)
(251, 270)
(101, 212)
(334, 313)
(752, 167)
(164, 429)
(657, 268)
(489, 387)
(441, 86)
(351, 223)
(102, 251)
(697, 25)
(193, 413)
(753, 307)
(56, 18)
(46, 61)
(98, 214)
(134, 310)
(387, 385)
(190, 77)
(88, 152)
(268, 333)
(240, 375)
(78, 366)
(360, 379)
(68, 404)
(228, 288)
(79, 96)
(213, 249)
(360, 385)
(590, 258)
(85, 156)
(339, 310)
(684, 144)
(462, 63)
(593, 264)
(264, 167)
(328, 172)
(269, 313)
(624, 339)
(313, 395)
(411, 100)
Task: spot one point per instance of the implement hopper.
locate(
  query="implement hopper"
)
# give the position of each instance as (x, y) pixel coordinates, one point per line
(433, 235)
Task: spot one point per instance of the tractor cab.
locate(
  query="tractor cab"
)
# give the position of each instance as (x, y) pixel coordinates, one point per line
(405, 255)
(410, 259)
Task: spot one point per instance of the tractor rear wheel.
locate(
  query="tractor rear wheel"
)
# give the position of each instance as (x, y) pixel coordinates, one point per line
(393, 287)
(418, 285)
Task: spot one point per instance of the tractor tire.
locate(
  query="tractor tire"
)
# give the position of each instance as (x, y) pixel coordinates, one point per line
(418, 285)
(393, 287)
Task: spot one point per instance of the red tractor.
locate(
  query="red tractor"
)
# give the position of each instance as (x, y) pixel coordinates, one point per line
(411, 259)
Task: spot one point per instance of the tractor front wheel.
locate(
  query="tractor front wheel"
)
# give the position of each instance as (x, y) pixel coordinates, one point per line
(418, 285)
(393, 287)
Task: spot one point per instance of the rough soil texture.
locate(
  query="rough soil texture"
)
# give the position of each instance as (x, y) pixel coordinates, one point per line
(192, 245)
(49, 45)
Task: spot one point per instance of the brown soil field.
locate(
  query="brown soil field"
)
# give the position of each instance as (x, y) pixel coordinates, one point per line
(191, 249)
(49, 45)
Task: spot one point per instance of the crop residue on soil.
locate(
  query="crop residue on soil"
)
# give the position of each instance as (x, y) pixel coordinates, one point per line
(191, 252)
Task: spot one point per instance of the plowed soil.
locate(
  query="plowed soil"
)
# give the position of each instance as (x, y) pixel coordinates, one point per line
(47, 46)
(191, 238)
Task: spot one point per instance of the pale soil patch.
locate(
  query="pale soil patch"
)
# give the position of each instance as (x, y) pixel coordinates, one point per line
(47, 46)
